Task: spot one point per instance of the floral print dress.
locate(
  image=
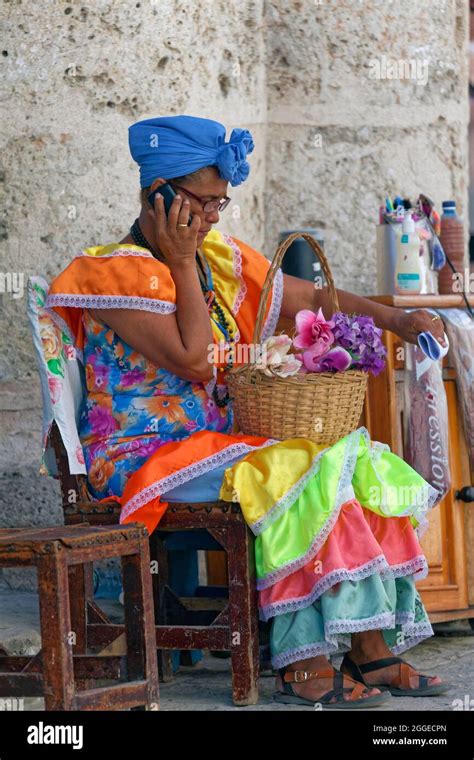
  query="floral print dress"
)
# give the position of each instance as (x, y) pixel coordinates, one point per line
(132, 408)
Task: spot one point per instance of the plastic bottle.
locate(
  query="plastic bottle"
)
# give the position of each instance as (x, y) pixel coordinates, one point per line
(452, 240)
(408, 266)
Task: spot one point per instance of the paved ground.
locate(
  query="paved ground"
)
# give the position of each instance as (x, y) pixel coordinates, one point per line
(207, 685)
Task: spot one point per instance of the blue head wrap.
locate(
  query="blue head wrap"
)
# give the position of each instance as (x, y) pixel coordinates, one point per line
(171, 146)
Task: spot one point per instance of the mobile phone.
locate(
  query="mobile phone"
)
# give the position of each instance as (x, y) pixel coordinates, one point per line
(168, 194)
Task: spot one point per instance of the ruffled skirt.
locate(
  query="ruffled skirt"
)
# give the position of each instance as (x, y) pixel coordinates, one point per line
(327, 564)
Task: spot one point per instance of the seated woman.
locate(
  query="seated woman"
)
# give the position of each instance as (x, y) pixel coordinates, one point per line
(334, 573)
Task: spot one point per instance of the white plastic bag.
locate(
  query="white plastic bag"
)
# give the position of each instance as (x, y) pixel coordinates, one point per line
(426, 419)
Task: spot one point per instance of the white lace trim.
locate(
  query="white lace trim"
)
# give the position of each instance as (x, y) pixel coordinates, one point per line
(123, 252)
(377, 565)
(423, 631)
(377, 449)
(111, 302)
(274, 312)
(422, 527)
(382, 620)
(418, 567)
(159, 487)
(339, 641)
(283, 504)
(56, 318)
(407, 619)
(237, 270)
(345, 492)
(418, 511)
(286, 501)
(310, 650)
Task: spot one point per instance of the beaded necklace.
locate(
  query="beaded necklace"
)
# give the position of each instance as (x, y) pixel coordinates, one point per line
(219, 318)
(216, 311)
(139, 239)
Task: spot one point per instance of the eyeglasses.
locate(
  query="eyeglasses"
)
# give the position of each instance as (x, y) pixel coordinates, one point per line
(207, 206)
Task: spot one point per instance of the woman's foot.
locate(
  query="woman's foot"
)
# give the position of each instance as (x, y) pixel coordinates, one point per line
(370, 646)
(318, 687)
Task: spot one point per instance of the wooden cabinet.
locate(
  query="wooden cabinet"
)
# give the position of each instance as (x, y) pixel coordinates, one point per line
(448, 591)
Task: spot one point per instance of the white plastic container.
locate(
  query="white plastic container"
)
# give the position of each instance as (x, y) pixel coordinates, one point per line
(408, 270)
(385, 237)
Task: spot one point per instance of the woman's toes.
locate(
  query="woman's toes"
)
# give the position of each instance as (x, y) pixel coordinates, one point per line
(374, 691)
(365, 694)
(415, 680)
(370, 692)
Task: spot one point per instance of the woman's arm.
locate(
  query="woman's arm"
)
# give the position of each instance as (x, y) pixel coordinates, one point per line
(302, 294)
(178, 342)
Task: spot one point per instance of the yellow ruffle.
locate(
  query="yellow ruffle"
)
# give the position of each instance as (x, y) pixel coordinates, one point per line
(266, 475)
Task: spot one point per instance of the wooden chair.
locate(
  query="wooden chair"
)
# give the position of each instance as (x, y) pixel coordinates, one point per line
(180, 623)
(234, 629)
(64, 664)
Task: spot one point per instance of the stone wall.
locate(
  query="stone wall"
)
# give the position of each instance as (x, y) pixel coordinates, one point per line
(330, 141)
(339, 140)
(75, 76)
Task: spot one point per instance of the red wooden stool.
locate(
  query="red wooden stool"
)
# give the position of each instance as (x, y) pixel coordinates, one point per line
(63, 664)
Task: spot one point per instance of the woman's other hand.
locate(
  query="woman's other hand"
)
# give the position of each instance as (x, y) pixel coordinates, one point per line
(408, 325)
(177, 242)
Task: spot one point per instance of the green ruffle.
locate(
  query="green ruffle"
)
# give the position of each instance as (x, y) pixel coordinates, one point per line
(295, 529)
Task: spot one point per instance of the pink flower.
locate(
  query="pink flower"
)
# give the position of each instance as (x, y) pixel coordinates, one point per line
(312, 331)
(147, 449)
(70, 351)
(290, 366)
(55, 389)
(302, 370)
(274, 358)
(101, 421)
(79, 454)
(132, 377)
(336, 359)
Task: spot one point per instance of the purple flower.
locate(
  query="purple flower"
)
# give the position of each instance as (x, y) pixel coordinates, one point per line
(132, 377)
(101, 421)
(358, 334)
(334, 360)
(147, 449)
(101, 372)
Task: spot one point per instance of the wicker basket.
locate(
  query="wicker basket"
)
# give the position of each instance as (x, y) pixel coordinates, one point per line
(321, 406)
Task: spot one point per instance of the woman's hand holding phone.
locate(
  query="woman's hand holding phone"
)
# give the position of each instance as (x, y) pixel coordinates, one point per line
(177, 240)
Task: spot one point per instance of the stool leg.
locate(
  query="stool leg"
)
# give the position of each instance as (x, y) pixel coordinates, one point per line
(81, 593)
(160, 555)
(139, 620)
(55, 618)
(78, 595)
(243, 615)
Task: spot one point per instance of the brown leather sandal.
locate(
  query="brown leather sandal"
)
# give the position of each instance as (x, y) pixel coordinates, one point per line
(356, 701)
(403, 688)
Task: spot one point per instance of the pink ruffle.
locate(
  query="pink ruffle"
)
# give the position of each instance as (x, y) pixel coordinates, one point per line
(360, 544)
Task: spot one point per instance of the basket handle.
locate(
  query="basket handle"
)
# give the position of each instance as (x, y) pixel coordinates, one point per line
(278, 258)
